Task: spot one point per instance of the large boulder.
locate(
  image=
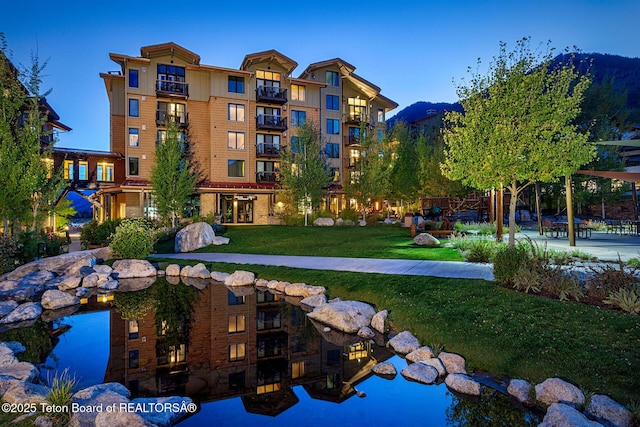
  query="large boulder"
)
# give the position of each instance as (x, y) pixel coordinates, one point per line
(219, 241)
(560, 415)
(378, 322)
(463, 383)
(22, 371)
(303, 290)
(520, 390)
(420, 354)
(121, 419)
(314, 301)
(130, 268)
(26, 311)
(426, 239)
(172, 270)
(384, 368)
(194, 236)
(54, 299)
(163, 418)
(324, 222)
(26, 392)
(7, 307)
(420, 372)
(404, 343)
(345, 316)
(70, 282)
(240, 278)
(554, 390)
(454, 363)
(7, 355)
(436, 363)
(607, 411)
(98, 396)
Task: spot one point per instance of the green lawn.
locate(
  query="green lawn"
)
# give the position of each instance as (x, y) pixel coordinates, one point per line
(359, 242)
(498, 330)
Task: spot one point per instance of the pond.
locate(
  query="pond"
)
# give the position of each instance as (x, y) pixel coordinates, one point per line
(246, 357)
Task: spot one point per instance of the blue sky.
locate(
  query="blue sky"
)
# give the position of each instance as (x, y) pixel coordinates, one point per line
(411, 49)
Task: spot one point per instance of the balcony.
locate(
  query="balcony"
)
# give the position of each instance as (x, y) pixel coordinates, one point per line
(164, 117)
(172, 88)
(267, 150)
(351, 140)
(271, 95)
(266, 122)
(266, 177)
(356, 118)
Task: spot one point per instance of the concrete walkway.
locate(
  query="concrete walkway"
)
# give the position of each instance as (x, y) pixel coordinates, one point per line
(449, 269)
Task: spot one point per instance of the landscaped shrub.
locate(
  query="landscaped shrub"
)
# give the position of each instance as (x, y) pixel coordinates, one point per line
(350, 214)
(322, 214)
(134, 239)
(9, 253)
(482, 228)
(480, 251)
(627, 299)
(508, 260)
(606, 279)
(373, 219)
(93, 233)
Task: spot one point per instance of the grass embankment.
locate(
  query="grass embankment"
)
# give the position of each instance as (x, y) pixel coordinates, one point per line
(498, 330)
(352, 242)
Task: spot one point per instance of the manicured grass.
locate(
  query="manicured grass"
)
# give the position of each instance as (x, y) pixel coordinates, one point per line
(498, 330)
(357, 242)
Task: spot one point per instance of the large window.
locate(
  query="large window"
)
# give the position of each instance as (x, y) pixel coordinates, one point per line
(332, 150)
(235, 140)
(134, 166)
(171, 78)
(236, 113)
(134, 359)
(134, 137)
(134, 107)
(134, 329)
(298, 92)
(357, 108)
(104, 172)
(68, 170)
(333, 126)
(236, 84)
(170, 111)
(332, 78)
(268, 320)
(267, 144)
(232, 299)
(297, 370)
(267, 78)
(298, 118)
(133, 78)
(333, 102)
(236, 324)
(380, 115)
(236, 352)
(83, 171)
(295, 145)
(235, 168)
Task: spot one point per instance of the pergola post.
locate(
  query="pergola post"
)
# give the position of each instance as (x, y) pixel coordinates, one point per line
(570, 224)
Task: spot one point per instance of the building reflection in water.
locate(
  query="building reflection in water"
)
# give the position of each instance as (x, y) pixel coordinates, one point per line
(235, 342)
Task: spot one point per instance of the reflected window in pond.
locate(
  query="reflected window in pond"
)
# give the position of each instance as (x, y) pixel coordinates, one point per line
(237, 380)
(265, 296)
(333, 381)
(236, 352)
(269, 347)
(134, 359)
(268, 319)
(134, 329)
(236, 324)
(359, 350)
(297, 370)
(235, 300)
(333, 357)
(299, 344)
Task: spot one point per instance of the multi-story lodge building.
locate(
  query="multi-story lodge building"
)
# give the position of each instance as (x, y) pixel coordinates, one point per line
(237, 120)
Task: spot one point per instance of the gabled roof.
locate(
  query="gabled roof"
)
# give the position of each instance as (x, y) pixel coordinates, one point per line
(335, 61)
(173, 49)
(52, 117)
(273, 55)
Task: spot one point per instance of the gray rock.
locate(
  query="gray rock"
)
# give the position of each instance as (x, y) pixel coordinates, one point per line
(103, 269)
(199, 271)
(560, 415)
(76, 268)
(194, 236)
(220, 240)
(54, 299)
(219, 276)
(7, 356)
(51, 315)
(261, 283)
(404, 343)
(22, 371)
(608, 412)
(339, 222)
(172, 270)
(26, 392)
(420, 354)
(7, 307)
(129, 268)
(120, 419)
(80, 292)
(454, 363)
(69, 282)
(425, 239)
(42, 421)
(6, 383)
(164, 418)
(240, 278)
(98, 401)
(85, 270)
(112, 284)
(378, 322)
(324, 222)
(26, 311)
(91, 281)
(384, 368)
(137, 284)
(87, 394)
(345, 316)
(554, 390)
(37, 278)
(520, 390)
(8, 285)
(420, 372)
(463, 383)
(303, 290)
(436, 363)
(315, 301)
(366, 333)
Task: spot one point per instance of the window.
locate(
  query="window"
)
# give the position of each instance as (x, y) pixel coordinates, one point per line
(380, 134)
(380, 115)
(133, 78)
(237, 380)
(333, 126)
(134, 137)
(236, 112)
(268, 320)
(333, 102)
(267, 171)
(267, 78)
(232, 299)
(357, 108)
(236, 84)
(134, 359)
(332, 78)
(295, 145)
(68, 169)
(298, 92)
(236, 352)
(236, 324)
(83, 171)
(298, 345)
(169, 111)
(334, 173)
(267, 144)
(235, 168)
(134, 166)
(298, 118)
(235, 140)
(297, 370)
(134, 329)
(134, 107)
(104, 172)
(171, 78)
(332, 150)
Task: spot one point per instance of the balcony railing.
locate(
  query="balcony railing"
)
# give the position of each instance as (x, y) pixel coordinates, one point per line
(272, 95)
(172, 88)
(267, 150)
(164, 117)
(356, 118)
(351, 140)
(267, 122)
(266, 177)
